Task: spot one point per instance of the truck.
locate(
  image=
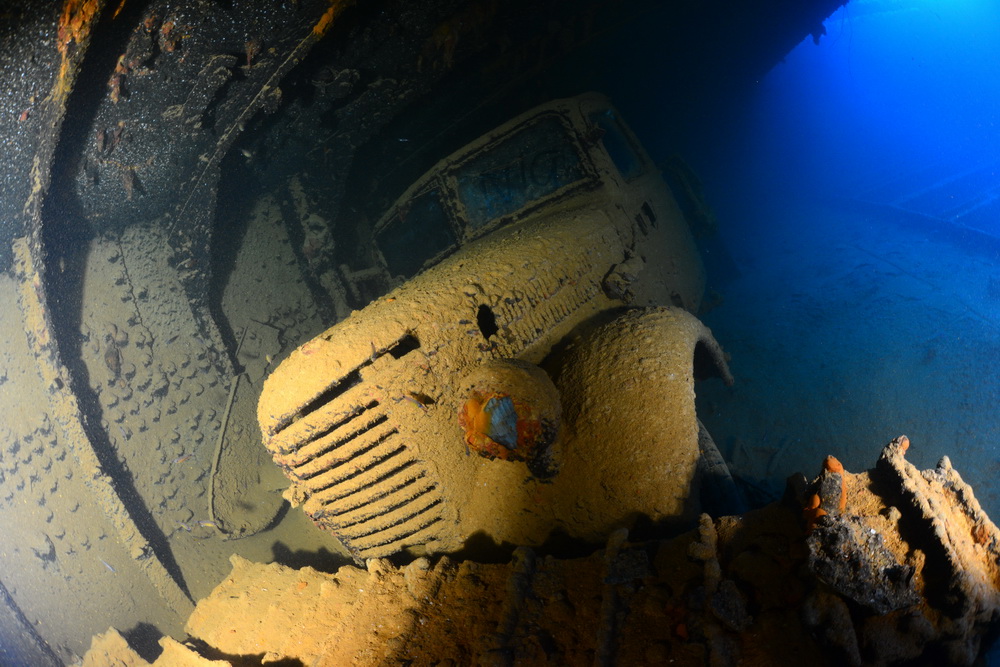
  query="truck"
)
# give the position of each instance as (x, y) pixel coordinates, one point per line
(529, 375)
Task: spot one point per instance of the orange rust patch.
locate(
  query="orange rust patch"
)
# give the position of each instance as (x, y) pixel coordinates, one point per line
(326, 20)
(75, 21)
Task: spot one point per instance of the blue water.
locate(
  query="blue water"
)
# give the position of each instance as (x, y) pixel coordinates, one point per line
(857, 188)
(892, 88)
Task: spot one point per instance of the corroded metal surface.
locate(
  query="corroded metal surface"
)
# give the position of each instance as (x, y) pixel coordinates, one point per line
(737, 590)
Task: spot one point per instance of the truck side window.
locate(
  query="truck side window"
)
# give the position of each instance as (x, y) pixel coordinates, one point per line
(617, 144)
(416, 234)
(527, 166)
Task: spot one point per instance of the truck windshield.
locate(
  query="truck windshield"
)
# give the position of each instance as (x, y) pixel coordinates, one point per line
(417, 233)
(526, 166)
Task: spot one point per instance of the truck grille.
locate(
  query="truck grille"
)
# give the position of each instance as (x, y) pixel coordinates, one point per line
(363, 482)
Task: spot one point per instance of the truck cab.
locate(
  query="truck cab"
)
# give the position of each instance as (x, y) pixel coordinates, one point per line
(566, 155)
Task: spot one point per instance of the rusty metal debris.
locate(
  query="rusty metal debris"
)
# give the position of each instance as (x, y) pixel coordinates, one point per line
(745, 589)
